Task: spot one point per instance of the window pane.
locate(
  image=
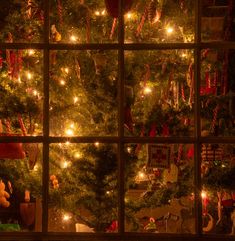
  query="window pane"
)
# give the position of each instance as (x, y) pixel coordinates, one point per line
(21, 187)
(83, 187)
(218, 197)
(21, 92)
(159, 21)
(217, 20)
(83, 21)
(217, 92)
(21, 21)
(159, 93)
(159, 182)
(83, 93)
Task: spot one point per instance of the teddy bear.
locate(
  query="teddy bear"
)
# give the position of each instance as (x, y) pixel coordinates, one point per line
(4, 196)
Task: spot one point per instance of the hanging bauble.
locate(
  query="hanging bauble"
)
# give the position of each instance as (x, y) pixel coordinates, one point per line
(152, 10)
(112, 7)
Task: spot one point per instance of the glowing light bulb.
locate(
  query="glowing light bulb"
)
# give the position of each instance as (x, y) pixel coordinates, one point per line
(35, 168)
(203, 194)
(73, 38)
(108, 192)
(35, 93)
(65, 164)
(129, 15)
(31, 52)
(103, 12)
(141, 175)
(66, 70)
(97, 13)
(69, 132)
(19, 80)
(77, 155)
(184, 55)
(169, 30)
(66, 217)
(129, 149)
(147, 90)
(97, 144)
(67, 143)
(75, 99)
(29, 75)
(72, 126)
(62, 82)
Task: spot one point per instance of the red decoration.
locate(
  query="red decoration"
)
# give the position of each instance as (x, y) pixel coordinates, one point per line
(112, 7)
(128, 121)
(190, 153)
(113, 227)
(153, 130)
(165, 130)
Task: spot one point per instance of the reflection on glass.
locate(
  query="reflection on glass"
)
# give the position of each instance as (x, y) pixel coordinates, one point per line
(218, 196)
(159, 184)
(83, 21)
(21, 187)
(83, 188)
(159, 93)
(83, 93)
(217, 20)
(217, 92)
(21, 92)
(21, 21)
(159, 21)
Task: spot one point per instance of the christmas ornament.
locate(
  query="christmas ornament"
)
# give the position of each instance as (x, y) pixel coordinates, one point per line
(10, 150)
(210, 223)
(158, 156)
(27, 210)
(112, 7)
(113, 227)
(54, 181)
(4, 196)
(151, 226)
(113, 28)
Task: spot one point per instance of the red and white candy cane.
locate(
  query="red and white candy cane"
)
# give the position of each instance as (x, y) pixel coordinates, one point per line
(182, 92)
(60, 11)
(141, 24)
(113, 28)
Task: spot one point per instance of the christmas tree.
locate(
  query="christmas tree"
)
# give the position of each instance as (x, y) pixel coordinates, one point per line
(85, 95)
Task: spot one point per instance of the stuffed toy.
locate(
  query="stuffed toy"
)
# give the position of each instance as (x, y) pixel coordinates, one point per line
(4, 196)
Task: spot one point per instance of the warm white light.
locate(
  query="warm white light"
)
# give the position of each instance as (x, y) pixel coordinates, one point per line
(203, 194)
(72, 125)
(103, 12)
(75, 99)
(77, 155)
(67, 143)
(184, 55)
(35, 168)
(129, 149)
(97, 13)
(128, 15)
(29, 75)
(19, 79)
(65, 164)
(35, 92)
(169, 30)
(31, 52)
(108, 192)
(147, 90)
(73, 38)
(62, 82)
(66, 70)
(97, 144)
(66, 217)
(69, 132)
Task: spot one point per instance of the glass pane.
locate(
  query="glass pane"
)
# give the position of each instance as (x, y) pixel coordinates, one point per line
(21, 92)
(159, 93)
(84, 21)
(159, 184)
(21, 21)
(83, 188)
(217, 20)
(218, 196)
(217, 92)
(83, 93)
(21, 187)
(159, 21)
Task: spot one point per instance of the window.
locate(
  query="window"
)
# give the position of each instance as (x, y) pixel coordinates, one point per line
(117, 120)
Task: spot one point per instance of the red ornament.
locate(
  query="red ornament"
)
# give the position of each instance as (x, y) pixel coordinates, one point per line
(112, 7)
(113, 227)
